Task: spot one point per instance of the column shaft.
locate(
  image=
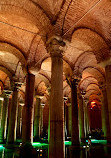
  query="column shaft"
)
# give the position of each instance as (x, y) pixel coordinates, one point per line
(11, 137)
(27, 121)
(75, 129)
(37, 119)
(105, 114)
(108, 89)
(41, 120)
(69, 127)
(85, 120)
(4, 119)
(19, 121)
(1, 106)
(81, 118)
(56, 142)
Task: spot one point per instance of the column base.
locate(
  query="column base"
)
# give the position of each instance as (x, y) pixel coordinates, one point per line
(76, 151)
(108, 140)
(27, 150)
(35, 139)
(83, 140)
(10, 145)
(2, 141)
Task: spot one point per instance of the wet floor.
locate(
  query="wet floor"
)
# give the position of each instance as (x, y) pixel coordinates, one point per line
(86, 151)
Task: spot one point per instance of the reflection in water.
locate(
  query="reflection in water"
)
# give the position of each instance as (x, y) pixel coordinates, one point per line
(94, 151)
(6, 153)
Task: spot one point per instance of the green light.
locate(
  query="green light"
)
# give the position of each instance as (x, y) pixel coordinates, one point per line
(68, 142)
(38, 144)
(1, 147)
(98, 141)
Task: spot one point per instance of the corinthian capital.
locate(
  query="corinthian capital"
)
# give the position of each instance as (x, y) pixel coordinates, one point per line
(55, 46)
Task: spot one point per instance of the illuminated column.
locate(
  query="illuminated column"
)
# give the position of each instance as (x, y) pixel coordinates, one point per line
(49, 90)
(37, 119)
(41, 118)
(86, 118)
(1, 106)
(65, 118)
(19, 119)
(69, 127)
(104, 113)
(56, 142)
(4, 116)
(27, 119)
(81, 118)
(11, 136)
(108, 89)
(75, 128)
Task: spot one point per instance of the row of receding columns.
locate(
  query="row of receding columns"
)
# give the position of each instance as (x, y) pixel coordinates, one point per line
(13, 113)
(56, 139)
(4, 112)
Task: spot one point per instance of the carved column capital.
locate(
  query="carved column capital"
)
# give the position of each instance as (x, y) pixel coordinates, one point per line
(7, 93)
(55, 46)
(16, 86)
(42, 105)
(86, 100)
(21, 103)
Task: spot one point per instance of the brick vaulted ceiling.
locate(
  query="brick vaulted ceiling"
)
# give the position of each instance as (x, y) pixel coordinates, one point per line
(25, 27)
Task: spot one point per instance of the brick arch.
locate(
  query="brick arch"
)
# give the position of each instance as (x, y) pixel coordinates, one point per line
(27, 10)
(84, 80)
(6, 47)
(95, 41)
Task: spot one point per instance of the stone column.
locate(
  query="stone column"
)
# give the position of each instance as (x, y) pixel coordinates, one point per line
(19, 120)
(27, 120)
(1, 106)
(56, 142)
(104, 113)
(11, 136)
(37, 119)
(49, 118)
(41, 118)
(4, 116)
(69, 126)
(65, 119)
(86, 118)
(81, 118)
(75, 128)
(108, 89)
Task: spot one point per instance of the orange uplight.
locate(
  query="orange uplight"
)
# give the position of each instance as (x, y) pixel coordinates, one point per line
(93, 103)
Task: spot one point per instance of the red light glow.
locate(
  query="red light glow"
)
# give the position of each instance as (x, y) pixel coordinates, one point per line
(93, 103)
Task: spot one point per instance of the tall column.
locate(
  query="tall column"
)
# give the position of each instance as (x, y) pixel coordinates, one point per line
(56, 142)
(75, 128)
(81, 118)
(19, 120)
(49, 119)
(37, 119)
(104, 113)
(65, 119)
(27, 120)
(69, 126)
(41, 118)
(4, 116)
(86, 118)
(1, 106)
(108, 89)
(11, 136)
